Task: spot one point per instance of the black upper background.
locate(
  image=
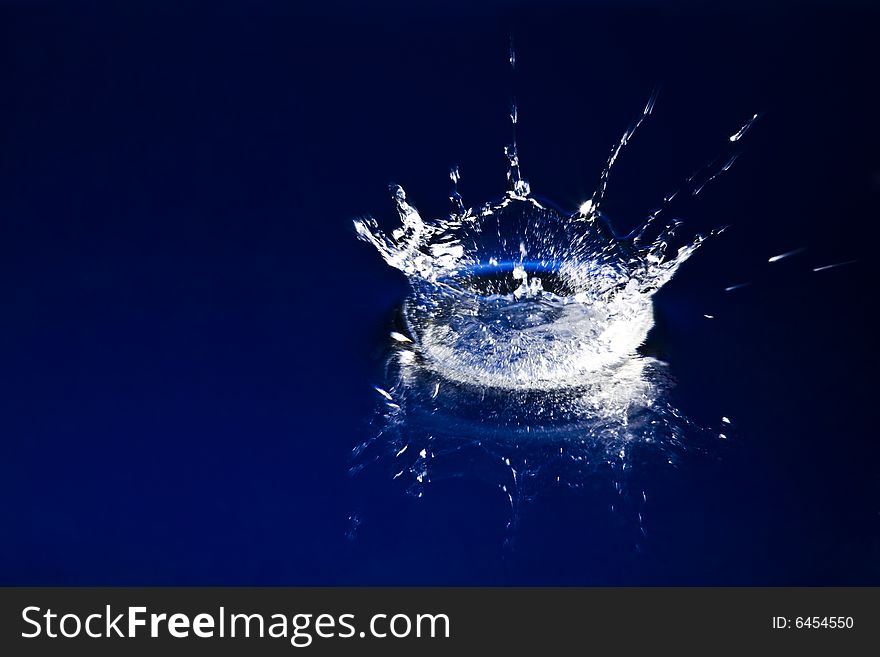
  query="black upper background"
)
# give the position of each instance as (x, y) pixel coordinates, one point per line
(189, 327)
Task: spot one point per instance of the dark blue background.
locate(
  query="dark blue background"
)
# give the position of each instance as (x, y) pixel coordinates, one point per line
(190, 330)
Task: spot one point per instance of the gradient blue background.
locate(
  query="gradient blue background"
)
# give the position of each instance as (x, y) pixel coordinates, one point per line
(190, 330)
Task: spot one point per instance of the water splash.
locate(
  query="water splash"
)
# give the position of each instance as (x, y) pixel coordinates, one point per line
(518, 355)
(518, 294)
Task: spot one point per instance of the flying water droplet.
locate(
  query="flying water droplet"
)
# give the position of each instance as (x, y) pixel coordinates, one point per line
(835, 265)
(787, 254)
(739, 134)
